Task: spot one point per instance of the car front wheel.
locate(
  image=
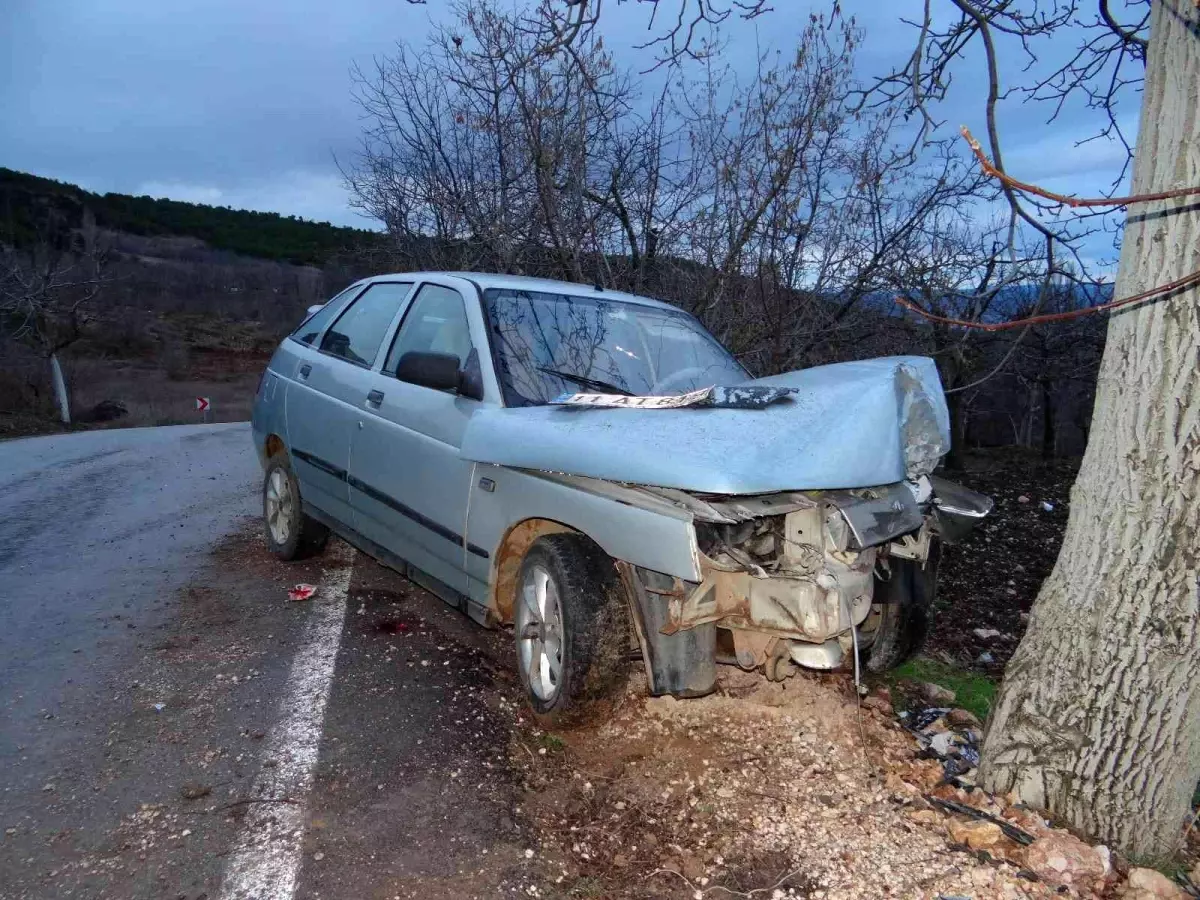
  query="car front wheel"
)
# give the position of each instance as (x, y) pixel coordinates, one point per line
(290, 533)
(572, 627)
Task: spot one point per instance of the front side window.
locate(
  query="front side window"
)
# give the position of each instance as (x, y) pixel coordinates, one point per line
(358, 333)
(308, 332)
(551, 344)
(435, 323)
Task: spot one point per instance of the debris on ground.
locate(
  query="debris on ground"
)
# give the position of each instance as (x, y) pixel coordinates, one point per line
(302, 592)
(194, 791)
(794, 789)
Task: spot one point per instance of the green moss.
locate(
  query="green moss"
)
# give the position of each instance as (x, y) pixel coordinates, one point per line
(974, 692)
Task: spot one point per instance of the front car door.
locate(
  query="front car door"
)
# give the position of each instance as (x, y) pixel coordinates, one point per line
(408, 484)
(328, 388)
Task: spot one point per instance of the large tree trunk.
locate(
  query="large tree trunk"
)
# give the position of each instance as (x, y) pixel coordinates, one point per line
(1098, 719)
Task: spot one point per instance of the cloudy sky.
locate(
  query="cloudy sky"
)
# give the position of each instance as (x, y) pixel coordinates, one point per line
(247, 103)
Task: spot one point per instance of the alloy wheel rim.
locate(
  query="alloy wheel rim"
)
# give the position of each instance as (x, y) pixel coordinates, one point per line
(279, 506)
(540, 633)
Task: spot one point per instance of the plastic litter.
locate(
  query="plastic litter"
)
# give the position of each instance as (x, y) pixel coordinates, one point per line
(1048, 507)
(302, 592)
(956, 748)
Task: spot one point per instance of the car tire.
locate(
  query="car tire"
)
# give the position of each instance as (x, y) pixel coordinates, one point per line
(290, 534)
(570, 588)
(902, 612)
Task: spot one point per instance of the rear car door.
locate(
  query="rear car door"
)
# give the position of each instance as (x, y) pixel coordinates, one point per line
(327, 391)
(408, 485)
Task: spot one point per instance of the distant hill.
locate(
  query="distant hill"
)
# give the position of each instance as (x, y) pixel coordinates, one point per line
(25, 199)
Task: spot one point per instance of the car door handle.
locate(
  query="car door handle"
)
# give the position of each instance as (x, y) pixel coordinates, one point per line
(375, 398)
(305, 370)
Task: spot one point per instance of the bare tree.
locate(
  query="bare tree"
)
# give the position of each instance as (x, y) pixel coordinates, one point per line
(45, 290)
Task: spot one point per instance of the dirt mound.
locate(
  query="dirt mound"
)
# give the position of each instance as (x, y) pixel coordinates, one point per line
(767, 790)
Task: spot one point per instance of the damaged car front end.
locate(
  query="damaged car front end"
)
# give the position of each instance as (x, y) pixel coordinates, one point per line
(804, 579)
(817, 522)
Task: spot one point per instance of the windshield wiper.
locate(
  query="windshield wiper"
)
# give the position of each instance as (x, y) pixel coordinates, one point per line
(593, 383)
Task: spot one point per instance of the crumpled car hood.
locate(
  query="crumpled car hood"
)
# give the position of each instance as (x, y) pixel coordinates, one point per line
(848, 425)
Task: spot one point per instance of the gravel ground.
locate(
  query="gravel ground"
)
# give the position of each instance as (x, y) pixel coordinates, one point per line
(773, 790)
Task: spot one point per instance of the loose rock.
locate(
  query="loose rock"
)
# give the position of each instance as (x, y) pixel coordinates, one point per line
(1148, 884)
(976, 835)
(1062, 859)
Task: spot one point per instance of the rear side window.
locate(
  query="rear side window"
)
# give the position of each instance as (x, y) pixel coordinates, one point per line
(315, 324)
(436, 322)
(358, 333)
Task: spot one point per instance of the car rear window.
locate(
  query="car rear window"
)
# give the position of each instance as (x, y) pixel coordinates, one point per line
(358, 333)
(312, 327)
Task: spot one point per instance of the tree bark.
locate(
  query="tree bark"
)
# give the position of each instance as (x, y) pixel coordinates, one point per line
(1098, 719)
(60, 390)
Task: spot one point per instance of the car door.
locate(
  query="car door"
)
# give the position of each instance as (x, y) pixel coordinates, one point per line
(408, 485)
(326, 391)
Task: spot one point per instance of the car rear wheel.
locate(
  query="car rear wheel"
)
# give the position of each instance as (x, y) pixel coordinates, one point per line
(571, 622)
(290, 533)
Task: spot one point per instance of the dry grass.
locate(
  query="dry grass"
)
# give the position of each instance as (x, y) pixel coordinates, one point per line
(154, 399)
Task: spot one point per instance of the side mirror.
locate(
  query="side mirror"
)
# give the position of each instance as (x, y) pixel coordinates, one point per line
(432, 370)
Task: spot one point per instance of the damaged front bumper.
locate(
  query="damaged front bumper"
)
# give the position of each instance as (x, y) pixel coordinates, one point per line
(789, 575)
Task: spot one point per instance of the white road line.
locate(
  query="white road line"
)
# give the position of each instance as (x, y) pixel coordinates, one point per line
(265, 862)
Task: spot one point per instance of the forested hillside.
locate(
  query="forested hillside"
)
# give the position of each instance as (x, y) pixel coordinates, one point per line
(24, 200)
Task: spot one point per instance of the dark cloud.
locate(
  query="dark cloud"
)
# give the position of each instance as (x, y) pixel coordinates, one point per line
(247, 103)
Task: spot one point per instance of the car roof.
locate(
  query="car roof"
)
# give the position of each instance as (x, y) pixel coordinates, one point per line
(486, 280)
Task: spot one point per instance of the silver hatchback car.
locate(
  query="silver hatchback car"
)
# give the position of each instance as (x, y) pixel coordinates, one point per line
(597, 471)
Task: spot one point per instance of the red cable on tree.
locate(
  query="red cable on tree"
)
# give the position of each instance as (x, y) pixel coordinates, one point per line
(1179, 284)
(1025, 187)
(991, 171)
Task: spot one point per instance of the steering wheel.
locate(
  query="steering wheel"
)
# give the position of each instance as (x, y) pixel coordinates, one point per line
(683, 375)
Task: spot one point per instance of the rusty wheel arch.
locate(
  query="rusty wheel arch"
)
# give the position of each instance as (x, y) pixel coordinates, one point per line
(506, 565)
(274, 445)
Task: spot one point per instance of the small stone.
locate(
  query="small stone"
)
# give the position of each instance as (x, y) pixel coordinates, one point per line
(936, 694)
(1148, 884)
(962, 718)
(318, 856)
(194, 791)
(878, 704)
(977, 835)
(48, 787)
(922, 816)
(1061, 858)
(529, 854)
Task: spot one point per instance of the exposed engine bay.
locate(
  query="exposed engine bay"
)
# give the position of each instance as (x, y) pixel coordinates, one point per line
(792, 576)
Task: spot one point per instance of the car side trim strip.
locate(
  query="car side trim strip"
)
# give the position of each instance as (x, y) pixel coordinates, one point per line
(318, 463)
(424, 521)
(390, 502)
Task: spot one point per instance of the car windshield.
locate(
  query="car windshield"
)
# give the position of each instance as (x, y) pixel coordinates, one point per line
(549, 344)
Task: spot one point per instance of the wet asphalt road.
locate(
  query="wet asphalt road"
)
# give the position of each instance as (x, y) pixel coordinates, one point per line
(146, 645)
(96, 529)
